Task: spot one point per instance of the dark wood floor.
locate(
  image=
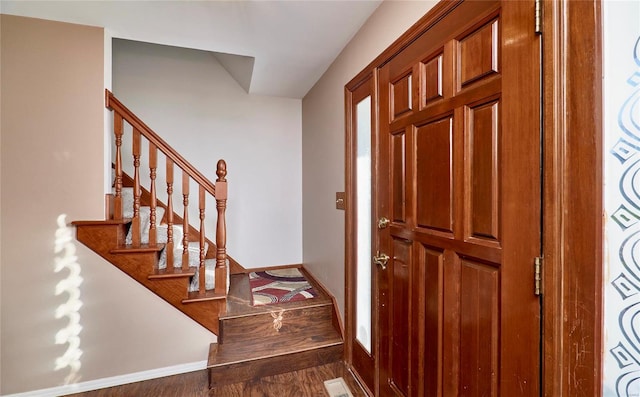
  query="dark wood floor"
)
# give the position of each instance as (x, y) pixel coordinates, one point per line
(308, 382)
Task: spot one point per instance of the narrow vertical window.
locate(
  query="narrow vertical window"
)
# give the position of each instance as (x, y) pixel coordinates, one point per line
(363, 224)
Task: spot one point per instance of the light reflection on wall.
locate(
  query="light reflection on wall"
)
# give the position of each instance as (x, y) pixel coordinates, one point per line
(66, 259)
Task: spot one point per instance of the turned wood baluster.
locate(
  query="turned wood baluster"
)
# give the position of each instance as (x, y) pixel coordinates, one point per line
(169, 213)
(185, 220)
(135, 223)
(153, 165)
(201, 207)
(117, 202)
(221, 228)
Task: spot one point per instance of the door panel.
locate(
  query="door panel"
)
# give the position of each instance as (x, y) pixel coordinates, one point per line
(432, 79)
(482, 184)
(401, 95)
(458, 316)
(478, 329)
(398, 176)
(400, 295)
(432, 284)
(433, 165)
(478, 53)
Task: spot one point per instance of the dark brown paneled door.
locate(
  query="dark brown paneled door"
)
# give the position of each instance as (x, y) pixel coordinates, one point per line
(459, 179)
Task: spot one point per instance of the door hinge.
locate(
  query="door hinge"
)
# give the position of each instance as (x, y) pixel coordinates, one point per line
(538, 16)
(537, 276)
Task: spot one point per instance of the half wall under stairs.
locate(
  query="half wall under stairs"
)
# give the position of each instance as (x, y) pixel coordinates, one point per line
(107, 238)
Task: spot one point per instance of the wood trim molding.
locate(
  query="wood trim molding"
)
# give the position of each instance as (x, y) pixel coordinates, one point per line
(432, 16)
(572, 199)
(355, 91)
(337, 318)
(277, 267)
(112, 381)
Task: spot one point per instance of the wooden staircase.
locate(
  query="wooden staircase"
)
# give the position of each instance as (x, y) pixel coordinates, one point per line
(107, 237)
(259, 341)
(138, 256)
(253, 341)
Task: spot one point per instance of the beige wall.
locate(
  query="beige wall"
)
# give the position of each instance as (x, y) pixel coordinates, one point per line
(51, 164)
(323, 142)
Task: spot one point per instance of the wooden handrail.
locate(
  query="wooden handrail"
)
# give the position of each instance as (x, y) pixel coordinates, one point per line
(114, 104)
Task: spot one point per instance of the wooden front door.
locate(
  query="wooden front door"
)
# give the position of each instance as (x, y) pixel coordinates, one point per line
(458, 176)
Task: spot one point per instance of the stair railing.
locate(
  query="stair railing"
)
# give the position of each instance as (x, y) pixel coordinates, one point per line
(189, 172)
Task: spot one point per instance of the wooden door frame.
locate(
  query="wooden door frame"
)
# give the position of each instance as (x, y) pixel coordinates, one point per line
(367, 83)
(572, 191)
(572, 199)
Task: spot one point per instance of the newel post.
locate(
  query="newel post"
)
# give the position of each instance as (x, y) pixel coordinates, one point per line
(221, 228)
(118, 131)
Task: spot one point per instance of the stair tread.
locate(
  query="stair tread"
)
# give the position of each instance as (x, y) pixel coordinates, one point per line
(172, 272)
(249, 350)
(123, 221)
(262, 309)
(129, 249)
(239, 299)
(196, 296)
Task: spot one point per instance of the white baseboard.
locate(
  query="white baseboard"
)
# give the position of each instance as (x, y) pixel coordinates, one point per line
(113, 381)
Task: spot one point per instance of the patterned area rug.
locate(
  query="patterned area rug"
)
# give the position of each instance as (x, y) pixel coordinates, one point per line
(279, 286)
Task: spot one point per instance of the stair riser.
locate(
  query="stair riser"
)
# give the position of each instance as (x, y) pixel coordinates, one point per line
(101, 238)
(255, 369)
(265, 325)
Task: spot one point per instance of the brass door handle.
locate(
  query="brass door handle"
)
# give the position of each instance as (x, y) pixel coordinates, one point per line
(383, 223)
(381, 259)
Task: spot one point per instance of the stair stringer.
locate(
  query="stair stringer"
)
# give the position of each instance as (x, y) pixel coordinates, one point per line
(106, 239)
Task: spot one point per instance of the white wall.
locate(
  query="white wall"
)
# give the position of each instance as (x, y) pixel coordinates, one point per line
(193, 103)
(622, 200)
(323, 140)
(51, 163)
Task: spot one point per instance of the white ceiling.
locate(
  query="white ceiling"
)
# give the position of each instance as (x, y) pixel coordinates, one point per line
(291, 43)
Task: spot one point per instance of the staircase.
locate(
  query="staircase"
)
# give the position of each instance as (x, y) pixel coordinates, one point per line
(153, 266)
(145, 237)
(139, 228)
(259, 341)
